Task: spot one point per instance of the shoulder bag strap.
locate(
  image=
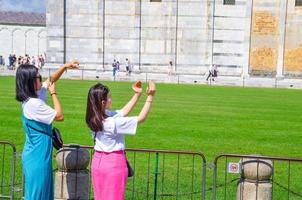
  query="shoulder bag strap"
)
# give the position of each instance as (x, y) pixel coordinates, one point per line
(35, 129)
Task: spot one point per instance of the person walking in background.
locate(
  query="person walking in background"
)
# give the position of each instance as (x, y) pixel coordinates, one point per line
(20, 58)
(109, 168)
(10, 61)
(212, 73)
(14, 61)
(128, 67)
(117, 68)
(2, 61)
(114, 68)
(37, 118)
(170, 69)
(33, 60)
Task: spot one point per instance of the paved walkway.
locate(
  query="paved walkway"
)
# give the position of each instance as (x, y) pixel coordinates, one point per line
(177, 79)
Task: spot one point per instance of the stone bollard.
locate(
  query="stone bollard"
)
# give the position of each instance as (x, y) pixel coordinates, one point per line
(255, 180)
(72, 177)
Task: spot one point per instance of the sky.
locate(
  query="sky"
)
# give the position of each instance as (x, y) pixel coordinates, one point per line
(23, 5)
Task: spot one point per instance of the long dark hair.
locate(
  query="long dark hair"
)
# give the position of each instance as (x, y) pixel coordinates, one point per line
(95, 111)
(25, 82)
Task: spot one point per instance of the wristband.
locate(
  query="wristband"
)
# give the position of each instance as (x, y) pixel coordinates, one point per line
(53, 93)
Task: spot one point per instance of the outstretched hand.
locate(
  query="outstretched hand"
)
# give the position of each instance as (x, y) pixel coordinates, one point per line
(151, 89)
(73, 64)
(137, 87)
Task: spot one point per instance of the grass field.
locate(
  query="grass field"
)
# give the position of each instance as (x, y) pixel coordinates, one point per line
(207, 119)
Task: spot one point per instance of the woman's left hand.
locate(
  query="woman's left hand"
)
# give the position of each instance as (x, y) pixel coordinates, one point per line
(137, 87)
(52, 88)
(73, 64)
(151, 89)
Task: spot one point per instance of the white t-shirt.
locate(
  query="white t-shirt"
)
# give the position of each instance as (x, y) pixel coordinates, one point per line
(112, 137)
(37, 109)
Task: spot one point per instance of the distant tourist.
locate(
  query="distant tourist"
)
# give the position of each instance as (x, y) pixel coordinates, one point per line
(114, 68)
(33, 61)
(2, 61)
(109, 169)
(20, 58)
(117, 68)
(170, 69)
(128, 67)
(41, 61)
(213, 73)
(10, 61)
(37, 119)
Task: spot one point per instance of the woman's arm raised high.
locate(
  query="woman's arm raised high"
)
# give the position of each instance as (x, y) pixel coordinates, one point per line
(137, 87)
(145, 110)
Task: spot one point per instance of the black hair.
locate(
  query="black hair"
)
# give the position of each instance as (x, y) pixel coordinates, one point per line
(95, 111)
(25, 82)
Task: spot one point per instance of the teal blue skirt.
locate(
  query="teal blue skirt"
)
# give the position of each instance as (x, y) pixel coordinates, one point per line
(37, 161)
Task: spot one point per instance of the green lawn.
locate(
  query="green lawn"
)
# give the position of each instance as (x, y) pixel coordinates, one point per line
(211, 120)
(207, 119)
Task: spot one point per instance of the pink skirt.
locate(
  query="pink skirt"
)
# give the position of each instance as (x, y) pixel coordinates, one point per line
(109, 175)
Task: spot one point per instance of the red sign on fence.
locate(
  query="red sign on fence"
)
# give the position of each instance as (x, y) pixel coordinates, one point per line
(234, 168)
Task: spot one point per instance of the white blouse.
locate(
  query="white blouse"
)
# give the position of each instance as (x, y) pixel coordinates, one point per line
(37, 109)
(112, 137)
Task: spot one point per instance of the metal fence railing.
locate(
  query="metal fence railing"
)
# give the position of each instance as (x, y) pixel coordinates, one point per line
(164, 174)
(241, 176)
(7, 169)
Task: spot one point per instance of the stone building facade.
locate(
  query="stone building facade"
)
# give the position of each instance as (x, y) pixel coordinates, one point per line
(22, 33)
(242, 37)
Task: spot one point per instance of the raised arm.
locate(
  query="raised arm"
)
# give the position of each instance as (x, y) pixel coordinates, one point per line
(57, 106)
(145, 110)
(74, 64)
(137, 87)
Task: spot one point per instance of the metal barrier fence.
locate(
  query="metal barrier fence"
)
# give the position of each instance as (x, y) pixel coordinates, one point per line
(7, 169)
(176, 78)
(283, 177)
(162, 174)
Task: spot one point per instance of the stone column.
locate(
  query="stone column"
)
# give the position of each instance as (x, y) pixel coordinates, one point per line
(255, 180)
(282, 33)
(72, 177)
(247, 38)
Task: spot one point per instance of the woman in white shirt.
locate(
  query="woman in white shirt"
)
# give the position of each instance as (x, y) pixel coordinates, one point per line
(109, 169)
(37, 118)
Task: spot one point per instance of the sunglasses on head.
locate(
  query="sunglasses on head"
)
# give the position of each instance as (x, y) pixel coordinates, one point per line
(39, 77)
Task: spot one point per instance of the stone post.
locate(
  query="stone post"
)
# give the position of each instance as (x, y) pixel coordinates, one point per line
(255, 180)
(72, 177)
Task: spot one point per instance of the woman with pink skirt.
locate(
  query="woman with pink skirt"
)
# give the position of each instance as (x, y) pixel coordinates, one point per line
(109, 168)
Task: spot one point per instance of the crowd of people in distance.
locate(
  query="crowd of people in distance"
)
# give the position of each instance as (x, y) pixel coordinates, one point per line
(14, 61)
(129, 67)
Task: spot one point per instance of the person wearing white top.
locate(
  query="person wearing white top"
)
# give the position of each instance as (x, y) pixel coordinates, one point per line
(109, 168)
(37, 118)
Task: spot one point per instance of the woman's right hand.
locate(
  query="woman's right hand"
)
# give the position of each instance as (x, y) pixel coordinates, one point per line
(151, 89)
(52, 88)
(137, 87)
(73, 64)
